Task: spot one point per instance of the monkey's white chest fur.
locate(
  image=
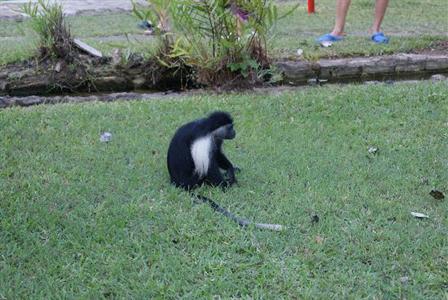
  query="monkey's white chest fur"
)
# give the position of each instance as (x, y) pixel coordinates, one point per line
(200, 151)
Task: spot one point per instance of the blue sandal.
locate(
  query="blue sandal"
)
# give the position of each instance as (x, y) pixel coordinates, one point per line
(379, 38)
(329, 38)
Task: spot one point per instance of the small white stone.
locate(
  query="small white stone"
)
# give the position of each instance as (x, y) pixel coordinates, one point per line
(373, 150)
(437, 77)
(105, 137)
(58, 67)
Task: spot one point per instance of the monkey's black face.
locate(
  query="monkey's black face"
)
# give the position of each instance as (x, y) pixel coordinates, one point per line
(230, 132)
(226, 132)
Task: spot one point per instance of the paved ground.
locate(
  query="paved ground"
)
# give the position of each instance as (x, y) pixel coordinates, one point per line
(10, 9)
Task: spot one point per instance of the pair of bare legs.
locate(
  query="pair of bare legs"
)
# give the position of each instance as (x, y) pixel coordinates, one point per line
(342, 7)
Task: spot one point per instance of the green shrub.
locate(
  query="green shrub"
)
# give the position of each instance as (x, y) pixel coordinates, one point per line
(47, 20)
(209, 36)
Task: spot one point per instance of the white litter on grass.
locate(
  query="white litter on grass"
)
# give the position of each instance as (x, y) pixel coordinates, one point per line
(299, 52)
(326, 44)
(373, 150)
(105, 137)
(89, 49)
(419, 215)
(404, 279)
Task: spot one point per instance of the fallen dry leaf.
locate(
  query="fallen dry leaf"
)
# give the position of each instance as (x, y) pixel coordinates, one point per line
(437, 194)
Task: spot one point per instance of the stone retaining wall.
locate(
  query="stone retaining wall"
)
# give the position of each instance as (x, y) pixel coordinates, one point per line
(30, 81)
(364, 68)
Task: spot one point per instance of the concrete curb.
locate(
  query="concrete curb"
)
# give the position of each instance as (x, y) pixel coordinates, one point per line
(11, 10)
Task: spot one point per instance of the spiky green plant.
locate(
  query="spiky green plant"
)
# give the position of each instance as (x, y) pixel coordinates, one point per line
(47, 20)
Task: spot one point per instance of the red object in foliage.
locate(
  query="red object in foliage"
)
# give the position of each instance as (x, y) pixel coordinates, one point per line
(311, 6)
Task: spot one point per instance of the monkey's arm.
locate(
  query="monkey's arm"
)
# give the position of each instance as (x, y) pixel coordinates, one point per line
(225, 164)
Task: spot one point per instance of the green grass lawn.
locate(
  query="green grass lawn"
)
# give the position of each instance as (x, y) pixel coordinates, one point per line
(84, 219)
(411, 24)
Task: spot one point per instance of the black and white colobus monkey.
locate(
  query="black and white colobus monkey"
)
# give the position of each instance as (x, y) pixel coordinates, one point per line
(195, 157)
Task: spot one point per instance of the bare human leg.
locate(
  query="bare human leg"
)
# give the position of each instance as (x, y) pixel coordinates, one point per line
(341, 13)
(380, 11)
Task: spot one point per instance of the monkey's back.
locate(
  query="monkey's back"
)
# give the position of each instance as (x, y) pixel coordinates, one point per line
(180, 163)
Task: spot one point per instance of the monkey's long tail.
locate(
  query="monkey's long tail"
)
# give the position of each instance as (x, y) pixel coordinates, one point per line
(240, 221)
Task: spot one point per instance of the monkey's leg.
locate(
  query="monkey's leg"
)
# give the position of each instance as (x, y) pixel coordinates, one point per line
(215, 178)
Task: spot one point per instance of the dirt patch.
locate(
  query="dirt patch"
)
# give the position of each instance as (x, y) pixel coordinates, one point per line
(439, 47)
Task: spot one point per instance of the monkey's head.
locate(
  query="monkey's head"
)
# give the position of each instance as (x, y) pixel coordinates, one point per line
(222, 125)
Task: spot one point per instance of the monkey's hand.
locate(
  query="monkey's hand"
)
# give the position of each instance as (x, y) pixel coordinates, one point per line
(227, 184)
(230, 176)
